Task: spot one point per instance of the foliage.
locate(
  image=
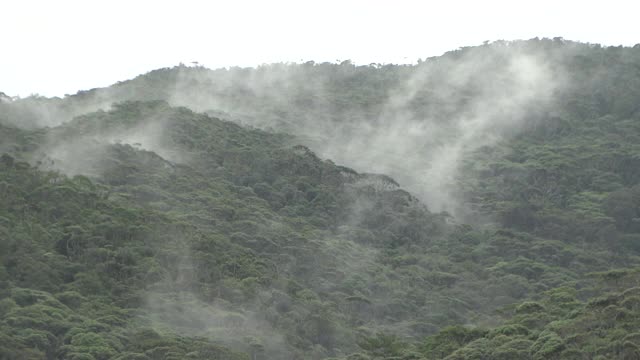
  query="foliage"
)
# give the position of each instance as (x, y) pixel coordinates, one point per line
(150, 231)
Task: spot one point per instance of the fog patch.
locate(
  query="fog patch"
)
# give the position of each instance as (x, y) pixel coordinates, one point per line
(181, 312)
(422, 146)
(73, 151)
(35, 111)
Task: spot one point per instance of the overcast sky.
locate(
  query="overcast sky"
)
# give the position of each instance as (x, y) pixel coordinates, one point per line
(59, 47)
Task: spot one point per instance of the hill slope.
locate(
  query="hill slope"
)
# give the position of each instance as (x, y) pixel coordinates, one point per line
(412, 122)
(152, 231)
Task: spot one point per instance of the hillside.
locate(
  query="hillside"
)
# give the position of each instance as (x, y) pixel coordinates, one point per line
(486, 205)
(411, 122)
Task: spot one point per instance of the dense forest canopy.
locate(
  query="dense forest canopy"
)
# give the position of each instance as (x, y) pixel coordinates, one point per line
(484, 204)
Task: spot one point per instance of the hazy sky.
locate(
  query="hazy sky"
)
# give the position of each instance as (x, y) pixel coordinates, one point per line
(60, 47)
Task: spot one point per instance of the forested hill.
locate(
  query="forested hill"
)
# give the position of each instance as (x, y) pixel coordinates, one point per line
(193, 213)
(411, 122)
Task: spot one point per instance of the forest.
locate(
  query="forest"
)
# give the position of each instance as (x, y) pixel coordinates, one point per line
(482, 204)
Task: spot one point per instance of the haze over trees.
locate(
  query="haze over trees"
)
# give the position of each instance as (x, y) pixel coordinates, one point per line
(484, 204)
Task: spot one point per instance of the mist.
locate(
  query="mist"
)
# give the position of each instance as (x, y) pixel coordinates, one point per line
(412, 122)
(419, 126)
(174, 306)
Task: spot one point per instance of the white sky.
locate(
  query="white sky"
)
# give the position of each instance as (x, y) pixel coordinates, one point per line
(54, 47)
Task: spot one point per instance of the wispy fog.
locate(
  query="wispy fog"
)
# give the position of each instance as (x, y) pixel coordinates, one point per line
(412, 122)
